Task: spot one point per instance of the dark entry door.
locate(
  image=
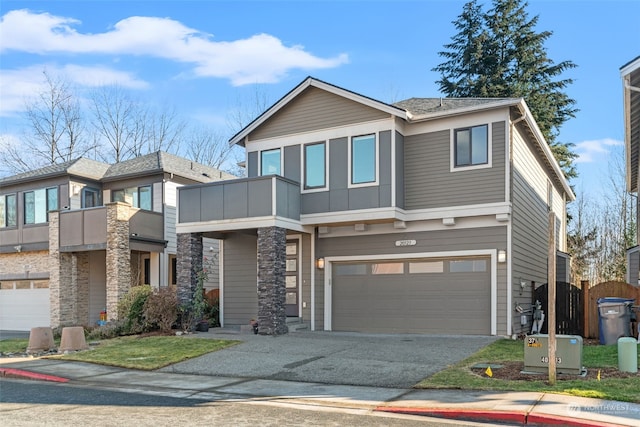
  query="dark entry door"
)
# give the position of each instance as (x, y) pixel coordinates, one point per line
(292, 278)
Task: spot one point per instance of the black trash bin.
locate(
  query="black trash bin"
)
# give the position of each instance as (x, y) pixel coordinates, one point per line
(614, 319)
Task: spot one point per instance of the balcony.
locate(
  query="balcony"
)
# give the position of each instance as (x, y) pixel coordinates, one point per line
(239, 204)
(87, 229)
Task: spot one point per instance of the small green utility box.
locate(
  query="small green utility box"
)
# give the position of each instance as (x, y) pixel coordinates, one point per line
(568, 354)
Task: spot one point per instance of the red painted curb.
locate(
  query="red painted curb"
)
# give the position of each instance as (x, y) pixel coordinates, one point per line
(19, 373)
(500, 416)
(469, 414)
(566, 421)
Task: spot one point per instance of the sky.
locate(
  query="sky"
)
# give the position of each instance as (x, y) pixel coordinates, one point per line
(208, 58)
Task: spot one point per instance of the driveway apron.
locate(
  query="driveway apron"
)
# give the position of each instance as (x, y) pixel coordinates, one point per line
(334, 357)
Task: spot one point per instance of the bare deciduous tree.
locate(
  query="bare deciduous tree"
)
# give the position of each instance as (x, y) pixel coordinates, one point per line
(55, 131)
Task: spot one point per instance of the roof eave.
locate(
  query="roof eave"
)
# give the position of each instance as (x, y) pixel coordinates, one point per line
(542, 142)
(465, 110)
(240, 137)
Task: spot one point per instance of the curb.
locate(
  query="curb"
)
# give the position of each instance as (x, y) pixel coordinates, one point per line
(20, 373)
(481, 415)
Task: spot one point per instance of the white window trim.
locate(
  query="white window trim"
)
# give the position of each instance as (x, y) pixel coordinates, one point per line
(281, 160)
(376, 137)
(303, 177)
(452, 149)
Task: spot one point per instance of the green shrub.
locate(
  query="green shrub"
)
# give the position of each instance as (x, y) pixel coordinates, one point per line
(131, 309)
(161, 309)
(213, 313)
(107, 331)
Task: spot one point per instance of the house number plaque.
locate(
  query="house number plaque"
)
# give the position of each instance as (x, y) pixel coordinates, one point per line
(405, 242)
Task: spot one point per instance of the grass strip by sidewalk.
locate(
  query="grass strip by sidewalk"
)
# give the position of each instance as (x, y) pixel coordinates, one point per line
(146, 353)
(460, 376)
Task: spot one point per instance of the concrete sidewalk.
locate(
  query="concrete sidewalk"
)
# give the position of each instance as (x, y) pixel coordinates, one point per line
(513, 408)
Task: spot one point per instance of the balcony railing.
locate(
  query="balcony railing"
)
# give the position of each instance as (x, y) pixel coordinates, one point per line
(265, 196)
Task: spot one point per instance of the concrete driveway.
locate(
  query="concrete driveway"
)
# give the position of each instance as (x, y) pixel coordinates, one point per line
(334, 357)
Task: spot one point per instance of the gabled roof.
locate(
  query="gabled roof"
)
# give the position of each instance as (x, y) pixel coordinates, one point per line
(80, 167)
(630, 73)
(153, 163)
(160, 162)
(239, 137)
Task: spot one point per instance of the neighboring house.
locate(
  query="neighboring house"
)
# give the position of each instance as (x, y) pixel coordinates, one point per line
(75, 236)
(630, 73)
(426, 216)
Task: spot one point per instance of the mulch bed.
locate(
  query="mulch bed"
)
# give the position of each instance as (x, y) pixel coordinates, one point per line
(512, 371)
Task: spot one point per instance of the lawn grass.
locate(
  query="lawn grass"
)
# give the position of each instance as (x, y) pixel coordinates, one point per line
(14, 345)
(147, 353)
(460, 376)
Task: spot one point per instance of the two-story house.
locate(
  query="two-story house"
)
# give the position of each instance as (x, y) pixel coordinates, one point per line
(75, 236)
(425, 216)
(630, 74)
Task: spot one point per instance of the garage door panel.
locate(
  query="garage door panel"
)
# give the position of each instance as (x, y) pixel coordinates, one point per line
(23, 309)
(455, 303)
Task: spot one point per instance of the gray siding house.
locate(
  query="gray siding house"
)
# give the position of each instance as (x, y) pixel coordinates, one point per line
(630, 73)
(425, 216)
(75, 236)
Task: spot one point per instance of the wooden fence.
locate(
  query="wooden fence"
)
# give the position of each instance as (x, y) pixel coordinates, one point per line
(569, 307)
(602, 290)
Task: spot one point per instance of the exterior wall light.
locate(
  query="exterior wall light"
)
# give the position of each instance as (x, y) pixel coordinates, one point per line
(502, 256)
(320, 263)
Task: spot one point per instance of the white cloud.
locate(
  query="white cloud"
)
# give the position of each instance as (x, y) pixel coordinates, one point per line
(595, 150)
(261, 58)
(18, 85)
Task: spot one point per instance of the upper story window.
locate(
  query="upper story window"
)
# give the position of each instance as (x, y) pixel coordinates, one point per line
(363, 159)
(471, 146)
(38, 203)
(315, 166)
(8, 211)
(138, 197)
(91, 197)
(270, 162)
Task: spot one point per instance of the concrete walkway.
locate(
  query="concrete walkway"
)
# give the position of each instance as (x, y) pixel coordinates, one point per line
(201, 379)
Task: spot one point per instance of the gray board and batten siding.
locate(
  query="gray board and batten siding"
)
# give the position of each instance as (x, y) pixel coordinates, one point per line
(339, 197)
(430, 183)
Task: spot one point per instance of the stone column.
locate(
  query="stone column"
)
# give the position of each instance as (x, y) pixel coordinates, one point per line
(188, 264)
(62, 283)
(54, 268)
(118, 255)
(272, 318)
(82, 287)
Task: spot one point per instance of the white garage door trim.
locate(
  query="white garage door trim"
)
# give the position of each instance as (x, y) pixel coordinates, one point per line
(493, 253)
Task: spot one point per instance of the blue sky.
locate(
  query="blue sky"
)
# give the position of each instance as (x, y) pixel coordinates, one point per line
(208, 57)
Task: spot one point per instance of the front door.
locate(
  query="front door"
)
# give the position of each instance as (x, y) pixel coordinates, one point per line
(291, 278)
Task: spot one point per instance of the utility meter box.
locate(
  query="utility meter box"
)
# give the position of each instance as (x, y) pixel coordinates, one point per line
(568, 354)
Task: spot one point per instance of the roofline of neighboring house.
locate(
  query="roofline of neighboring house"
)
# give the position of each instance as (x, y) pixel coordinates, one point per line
(46, 176)
(239, 137)
(630, 66)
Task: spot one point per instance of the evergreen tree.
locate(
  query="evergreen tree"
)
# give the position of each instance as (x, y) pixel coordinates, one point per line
(499, 54)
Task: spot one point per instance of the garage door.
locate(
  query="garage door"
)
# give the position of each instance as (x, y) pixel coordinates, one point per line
(439, 296)
(24, 305)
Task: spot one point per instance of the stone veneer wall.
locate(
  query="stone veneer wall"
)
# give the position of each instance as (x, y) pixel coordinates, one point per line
(12, 266)
(272, 317)
(189, 264)
(118, 255)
